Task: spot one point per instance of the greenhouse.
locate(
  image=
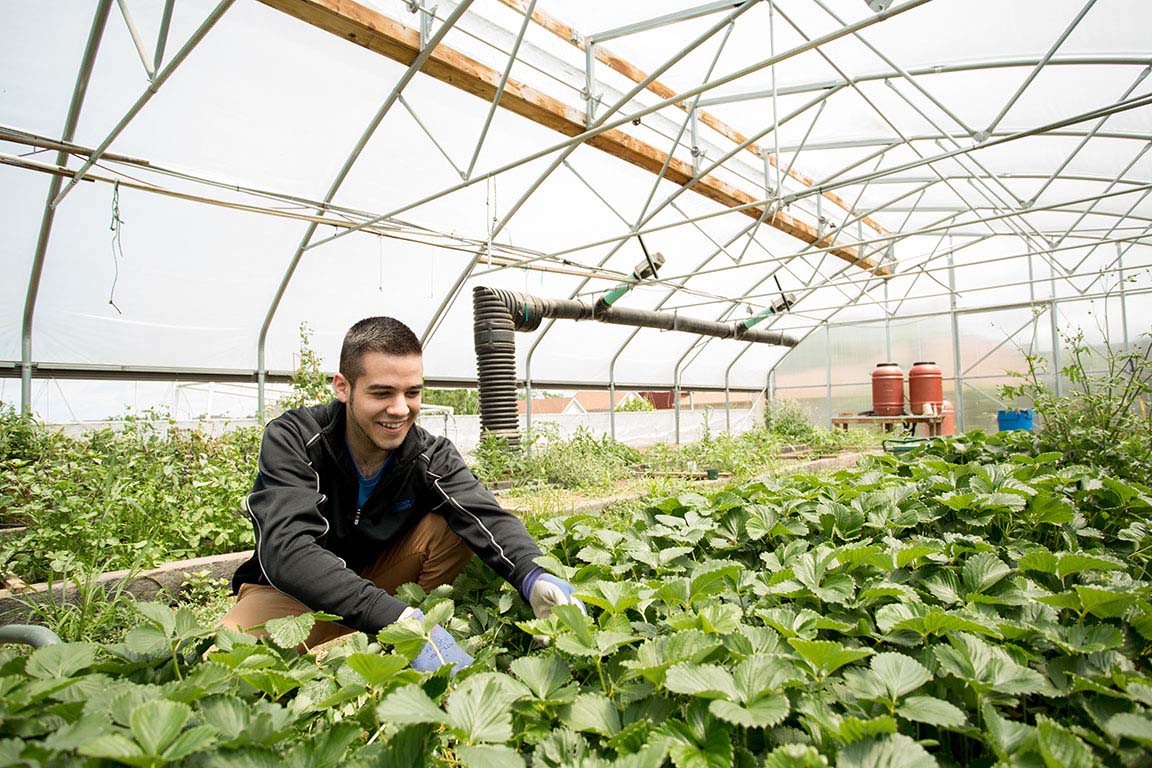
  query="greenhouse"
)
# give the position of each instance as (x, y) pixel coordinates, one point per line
(786, 364)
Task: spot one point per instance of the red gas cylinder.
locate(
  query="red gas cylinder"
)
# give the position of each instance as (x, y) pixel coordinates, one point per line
(887, 390)
(925, 388)
(948, 426)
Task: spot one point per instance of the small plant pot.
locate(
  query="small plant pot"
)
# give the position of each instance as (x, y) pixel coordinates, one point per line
(1009, 420)
(712, 473)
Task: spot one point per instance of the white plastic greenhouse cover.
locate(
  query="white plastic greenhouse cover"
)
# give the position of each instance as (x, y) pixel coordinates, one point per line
(966, 154)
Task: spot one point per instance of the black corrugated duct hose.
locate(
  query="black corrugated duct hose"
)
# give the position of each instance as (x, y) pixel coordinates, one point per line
(495, 337)
(498, 314)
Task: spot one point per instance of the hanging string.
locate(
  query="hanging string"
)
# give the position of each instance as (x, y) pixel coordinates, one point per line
(490, 215)
(116, 226)
(380, 251)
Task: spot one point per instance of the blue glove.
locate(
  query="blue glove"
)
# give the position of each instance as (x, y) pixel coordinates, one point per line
(543, 591)
(441, 650)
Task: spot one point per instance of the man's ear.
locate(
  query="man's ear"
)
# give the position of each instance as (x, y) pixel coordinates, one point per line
(342, 387)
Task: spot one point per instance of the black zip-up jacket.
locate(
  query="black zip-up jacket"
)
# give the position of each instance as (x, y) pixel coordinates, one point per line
(312, 541)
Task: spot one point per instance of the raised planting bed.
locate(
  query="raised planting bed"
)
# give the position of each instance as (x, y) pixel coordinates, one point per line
(161, 583)
(963, 607)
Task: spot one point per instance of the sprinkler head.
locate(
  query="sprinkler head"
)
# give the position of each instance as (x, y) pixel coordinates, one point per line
(647, 268)
(784, 304)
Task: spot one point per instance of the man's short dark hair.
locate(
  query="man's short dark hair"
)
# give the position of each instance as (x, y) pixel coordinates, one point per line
(375, 334)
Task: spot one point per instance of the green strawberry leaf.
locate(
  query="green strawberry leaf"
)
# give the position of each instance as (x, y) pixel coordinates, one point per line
(704, 680)
(894, 674)
(826, 656)
(933, 711)
(929, 620)
(195, 739)
(985, 667)
(853, 729)
(593, 713)
(63, 660)
(909, 555)
(406, 636)
(1040, 561)
(1104, 603)
(791, 623)
(711, 578)
(326, 748)
(545, 676)
(893, 751)
(1129, 725)
(983, 571)
(616, 597)
(655, 656)
(1007, 737)
(290, 631)
(1060, 747)
(410, 704)
(270, 681)
(117, 747)
(762, 713)
(375, 668)
(160, 616)
(72, 736)
(489, 756)
(1078, 562)
(795, 756)
(156, 724)
(480, 710)
(689, 748)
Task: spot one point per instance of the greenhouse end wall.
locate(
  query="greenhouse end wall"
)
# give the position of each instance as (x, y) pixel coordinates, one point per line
(828, 372)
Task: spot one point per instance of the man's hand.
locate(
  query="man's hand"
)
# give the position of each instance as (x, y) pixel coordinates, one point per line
(545, 591)
(440, 650)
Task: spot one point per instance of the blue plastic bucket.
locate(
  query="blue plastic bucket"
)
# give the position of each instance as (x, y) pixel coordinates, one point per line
(1007, 420)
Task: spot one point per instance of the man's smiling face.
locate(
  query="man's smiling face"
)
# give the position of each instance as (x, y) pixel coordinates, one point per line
(382, 402)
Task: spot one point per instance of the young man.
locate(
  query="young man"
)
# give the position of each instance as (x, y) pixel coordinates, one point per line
(353, 499)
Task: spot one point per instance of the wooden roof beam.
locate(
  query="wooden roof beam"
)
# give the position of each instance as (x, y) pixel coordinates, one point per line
(567, 33)
(383, 35)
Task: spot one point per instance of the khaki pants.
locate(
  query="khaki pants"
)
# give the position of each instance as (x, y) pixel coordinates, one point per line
(429, 555)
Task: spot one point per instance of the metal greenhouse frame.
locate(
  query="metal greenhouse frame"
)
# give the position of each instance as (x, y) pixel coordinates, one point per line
(926, 167)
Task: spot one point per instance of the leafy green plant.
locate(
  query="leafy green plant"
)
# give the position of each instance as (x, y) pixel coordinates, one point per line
(954, 606)
(580, 461)
(144, 494)
(207, 596)
(310, 385)
(493, 460)
(789, 421)
(1105, 419)
(635, 405)
(22, 438)
(79, 608)
(462, 401)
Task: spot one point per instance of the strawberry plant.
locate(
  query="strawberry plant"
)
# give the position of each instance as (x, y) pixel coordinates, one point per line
(969, 606)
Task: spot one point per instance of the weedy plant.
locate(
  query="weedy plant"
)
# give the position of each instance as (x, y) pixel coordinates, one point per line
(108, 500)
(1105, 417)
(208, 597)
(78, 607)
(976, 603)
(789, 421)
(581, 461)
(310, 385)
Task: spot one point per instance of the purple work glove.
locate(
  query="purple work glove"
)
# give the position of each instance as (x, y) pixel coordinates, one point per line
(429, 660)
(543, 591)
